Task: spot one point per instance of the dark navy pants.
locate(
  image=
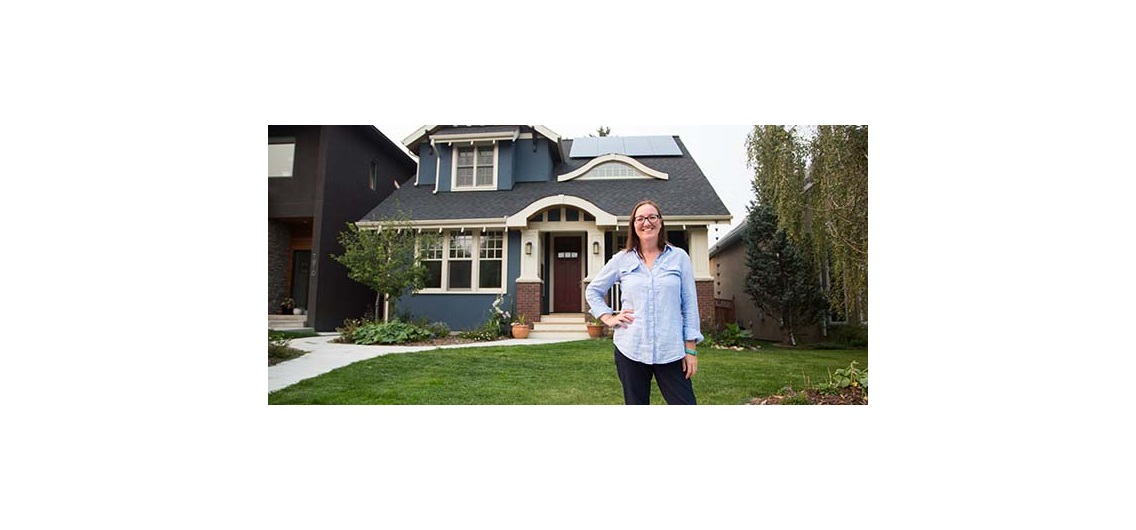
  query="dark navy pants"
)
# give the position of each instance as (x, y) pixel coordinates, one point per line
(636, 379)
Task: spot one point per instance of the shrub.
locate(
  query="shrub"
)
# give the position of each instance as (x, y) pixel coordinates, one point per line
(852, 335)
(393, 332)
(488, 331)
(437, 329)
(733, 336)
(348, 329)
(846, 377)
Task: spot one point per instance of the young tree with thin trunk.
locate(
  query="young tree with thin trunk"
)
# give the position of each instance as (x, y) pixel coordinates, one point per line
(384, 259)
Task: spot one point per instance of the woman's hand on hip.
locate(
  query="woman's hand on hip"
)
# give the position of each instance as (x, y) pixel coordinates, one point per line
(624, 317)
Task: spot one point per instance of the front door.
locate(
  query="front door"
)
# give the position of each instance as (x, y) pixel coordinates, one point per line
(301, 269)
(567, 274)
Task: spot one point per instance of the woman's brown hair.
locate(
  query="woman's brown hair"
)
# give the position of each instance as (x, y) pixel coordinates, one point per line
(633, 238)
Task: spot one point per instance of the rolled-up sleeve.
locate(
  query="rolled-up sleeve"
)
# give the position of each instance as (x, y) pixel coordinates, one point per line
(691, 324)
(603, 281)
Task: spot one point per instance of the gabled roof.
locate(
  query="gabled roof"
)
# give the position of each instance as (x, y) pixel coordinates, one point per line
(685, 193)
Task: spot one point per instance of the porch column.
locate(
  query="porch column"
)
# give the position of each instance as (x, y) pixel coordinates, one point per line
(595, 260)
(530, 256)
(700, 252)
(703, 282)
(529, 283)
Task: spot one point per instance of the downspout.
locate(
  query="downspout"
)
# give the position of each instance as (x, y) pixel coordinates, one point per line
(437, 164)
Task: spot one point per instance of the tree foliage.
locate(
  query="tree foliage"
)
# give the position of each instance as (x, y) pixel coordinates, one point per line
(818, 189)
(602, 131)
(384, 259)
(781, 280)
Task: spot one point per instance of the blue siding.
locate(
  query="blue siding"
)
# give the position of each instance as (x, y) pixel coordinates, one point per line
(447, 166)
(459, 311)
(505, 152)
(530, 166)
(513, 248)
(426, 166)
(467, 311)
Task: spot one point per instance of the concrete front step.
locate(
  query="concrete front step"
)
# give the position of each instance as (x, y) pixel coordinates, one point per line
(287, 322)
(563, 318)
(571, 326)
(571, 335)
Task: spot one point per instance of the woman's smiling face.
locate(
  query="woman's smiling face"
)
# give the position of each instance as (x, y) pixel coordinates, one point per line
(647, 230)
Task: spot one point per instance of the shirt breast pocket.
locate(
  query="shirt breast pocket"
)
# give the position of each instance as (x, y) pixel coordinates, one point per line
(670, 275)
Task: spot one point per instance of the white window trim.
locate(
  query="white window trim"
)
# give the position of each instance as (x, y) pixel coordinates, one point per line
(475, 273)
(454, 169)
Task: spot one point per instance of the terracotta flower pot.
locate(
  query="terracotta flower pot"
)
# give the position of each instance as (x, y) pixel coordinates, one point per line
(596, 331)
(520, 331)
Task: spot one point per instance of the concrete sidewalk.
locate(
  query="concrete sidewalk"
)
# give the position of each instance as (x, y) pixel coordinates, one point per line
(324, 356)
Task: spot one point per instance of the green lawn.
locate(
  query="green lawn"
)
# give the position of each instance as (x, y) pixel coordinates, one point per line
(569, 373)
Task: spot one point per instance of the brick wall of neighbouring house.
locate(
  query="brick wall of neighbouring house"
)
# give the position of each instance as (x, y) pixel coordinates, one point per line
(705, 290)
(278, 239)
(528, 300)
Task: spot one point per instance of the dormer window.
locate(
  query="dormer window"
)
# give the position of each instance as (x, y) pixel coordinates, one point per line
(475, 167)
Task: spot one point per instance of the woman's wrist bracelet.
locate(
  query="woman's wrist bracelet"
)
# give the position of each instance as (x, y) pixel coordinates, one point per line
(691, 352)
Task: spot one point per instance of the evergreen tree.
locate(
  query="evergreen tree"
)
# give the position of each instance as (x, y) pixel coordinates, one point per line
(781, 281)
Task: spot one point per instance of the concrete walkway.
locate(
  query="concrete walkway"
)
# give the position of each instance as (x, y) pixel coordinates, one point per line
(324, 356)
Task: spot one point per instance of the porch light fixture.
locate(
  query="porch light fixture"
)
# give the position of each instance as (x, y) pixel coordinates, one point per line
(528, 247)
(595, 247)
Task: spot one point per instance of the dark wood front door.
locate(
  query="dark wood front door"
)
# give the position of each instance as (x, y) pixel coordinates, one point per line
(567, 267)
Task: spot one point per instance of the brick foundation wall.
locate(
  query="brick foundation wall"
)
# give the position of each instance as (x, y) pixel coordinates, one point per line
(705, 290)
(528, 300)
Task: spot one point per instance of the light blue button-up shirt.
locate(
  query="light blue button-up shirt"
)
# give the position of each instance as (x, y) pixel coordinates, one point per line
(663, 299)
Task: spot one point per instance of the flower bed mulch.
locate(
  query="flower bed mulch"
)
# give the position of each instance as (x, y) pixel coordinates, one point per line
(846, 396)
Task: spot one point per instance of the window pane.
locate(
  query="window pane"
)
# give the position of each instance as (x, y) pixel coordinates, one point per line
(484, 176)
(461, 274)
(492, 245)
(465, 157)
(461, 246)
(280, 157)
(465, 177)
(434, 274)
(490, 274)
(485, 157)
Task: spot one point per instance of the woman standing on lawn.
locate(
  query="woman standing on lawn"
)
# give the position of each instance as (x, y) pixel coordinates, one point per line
(658, 328)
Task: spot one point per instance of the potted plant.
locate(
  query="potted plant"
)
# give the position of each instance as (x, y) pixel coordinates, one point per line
(287, 306)
(595, 327)
(520, 328)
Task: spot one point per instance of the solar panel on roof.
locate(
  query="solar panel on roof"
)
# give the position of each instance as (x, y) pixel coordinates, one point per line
(624, 145)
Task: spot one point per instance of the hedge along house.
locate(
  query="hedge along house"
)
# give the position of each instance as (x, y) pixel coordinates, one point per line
(524, 212)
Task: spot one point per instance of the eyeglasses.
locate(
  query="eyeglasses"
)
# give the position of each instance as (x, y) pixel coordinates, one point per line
(652, 218)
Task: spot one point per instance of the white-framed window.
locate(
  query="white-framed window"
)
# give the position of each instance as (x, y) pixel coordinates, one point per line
(466, 262)
(491, 258)
(281, 157)
(460, 265)
(432, 258)
(475, 167)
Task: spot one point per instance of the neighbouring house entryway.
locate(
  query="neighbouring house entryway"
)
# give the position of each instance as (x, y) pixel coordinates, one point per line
(301, 269)
(567, 273)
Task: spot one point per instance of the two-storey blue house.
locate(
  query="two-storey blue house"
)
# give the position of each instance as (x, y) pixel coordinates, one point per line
(525, 212)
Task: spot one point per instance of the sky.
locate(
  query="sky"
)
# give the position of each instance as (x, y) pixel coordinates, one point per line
(719, 151)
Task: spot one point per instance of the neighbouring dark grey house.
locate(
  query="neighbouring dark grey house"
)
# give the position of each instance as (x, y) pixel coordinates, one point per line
(321, 177)
(526, 213)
